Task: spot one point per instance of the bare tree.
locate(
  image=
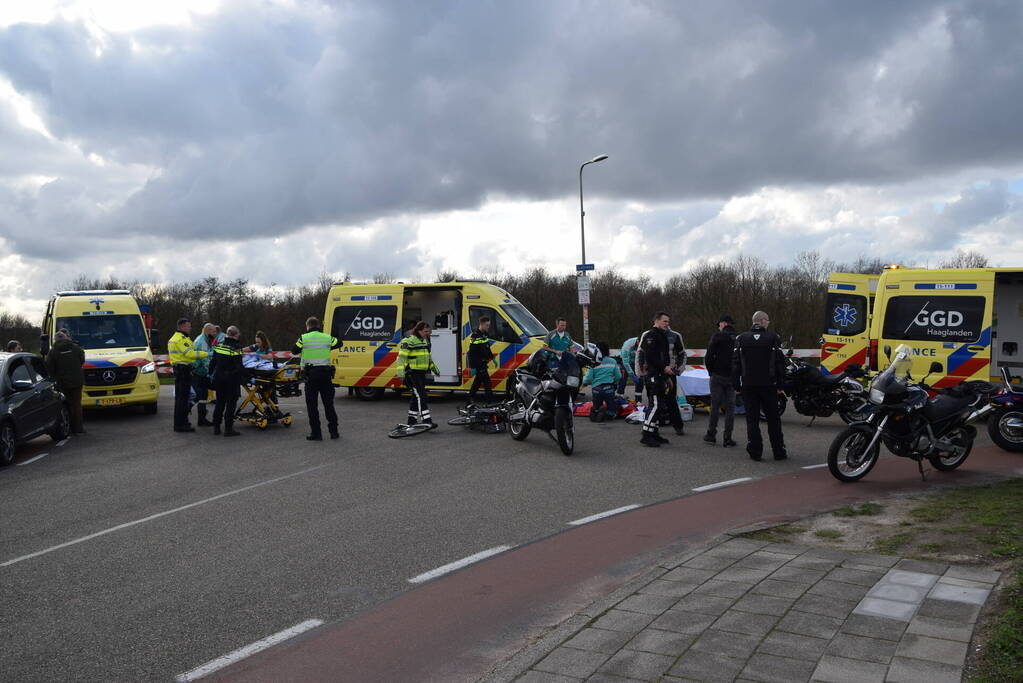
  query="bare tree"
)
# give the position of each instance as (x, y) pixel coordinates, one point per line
(965, 259)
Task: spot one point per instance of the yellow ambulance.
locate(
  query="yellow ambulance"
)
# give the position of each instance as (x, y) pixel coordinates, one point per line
(111, 328)
(970, 320)
(371, 319)
(847, 316)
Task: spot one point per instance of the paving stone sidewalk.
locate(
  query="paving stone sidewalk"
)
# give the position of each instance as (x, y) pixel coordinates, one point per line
(742, 610)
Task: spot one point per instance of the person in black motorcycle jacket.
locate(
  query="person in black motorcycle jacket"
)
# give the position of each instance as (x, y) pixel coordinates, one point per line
(758, 371)
(654, 363)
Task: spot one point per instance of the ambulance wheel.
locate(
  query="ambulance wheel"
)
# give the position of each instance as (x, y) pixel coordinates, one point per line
(369, 393)
(149, 408)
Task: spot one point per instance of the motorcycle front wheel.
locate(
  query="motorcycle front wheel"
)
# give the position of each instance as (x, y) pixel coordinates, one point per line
(519, 429)
(564, 429)
(963, 440)
(1001, 426)
(848, 458)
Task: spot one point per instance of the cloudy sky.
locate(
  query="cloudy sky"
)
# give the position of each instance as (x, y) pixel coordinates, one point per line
(278, 139)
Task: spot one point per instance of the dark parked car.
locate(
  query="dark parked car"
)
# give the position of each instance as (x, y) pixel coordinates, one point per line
(30, 404)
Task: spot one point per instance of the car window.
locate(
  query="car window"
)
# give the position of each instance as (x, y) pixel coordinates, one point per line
(500, 330)
(20, 371)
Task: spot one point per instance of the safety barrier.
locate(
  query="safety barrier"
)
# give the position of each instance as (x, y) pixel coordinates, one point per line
(164, 368)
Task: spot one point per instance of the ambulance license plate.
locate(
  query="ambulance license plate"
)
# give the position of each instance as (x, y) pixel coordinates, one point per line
(116, 401)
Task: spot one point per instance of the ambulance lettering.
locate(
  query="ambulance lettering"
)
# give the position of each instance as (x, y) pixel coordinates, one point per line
(940, 323)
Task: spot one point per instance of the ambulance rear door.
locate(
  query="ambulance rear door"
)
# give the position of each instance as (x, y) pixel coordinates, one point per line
(944, 316)
(367, 322)
(847, 311)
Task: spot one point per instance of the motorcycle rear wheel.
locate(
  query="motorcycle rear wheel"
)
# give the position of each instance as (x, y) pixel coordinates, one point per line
(519, 429)
(856, 415)
(1006, 437)
(847, 456)
(564, 429)
(947, 463)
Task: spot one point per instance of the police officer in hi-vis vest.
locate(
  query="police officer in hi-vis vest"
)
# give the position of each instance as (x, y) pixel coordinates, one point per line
(181, 356)
(315, 347)
(414, 362)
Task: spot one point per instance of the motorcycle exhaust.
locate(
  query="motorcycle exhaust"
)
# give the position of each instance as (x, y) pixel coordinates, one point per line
(979, 413)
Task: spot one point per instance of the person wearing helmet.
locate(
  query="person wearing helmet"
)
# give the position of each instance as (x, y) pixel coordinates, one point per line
(604, 378)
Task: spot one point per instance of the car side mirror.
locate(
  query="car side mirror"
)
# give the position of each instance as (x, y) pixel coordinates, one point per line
(44, 344)
(154, 339)
(22, 384)
(935, 367)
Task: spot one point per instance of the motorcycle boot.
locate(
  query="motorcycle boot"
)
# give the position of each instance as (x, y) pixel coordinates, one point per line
(650, 439)
(710, 437)
(203, 422)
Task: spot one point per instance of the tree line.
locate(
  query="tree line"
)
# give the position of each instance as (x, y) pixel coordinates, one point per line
(622, 306)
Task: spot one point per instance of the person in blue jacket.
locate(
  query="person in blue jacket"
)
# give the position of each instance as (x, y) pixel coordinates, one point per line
(604, 378)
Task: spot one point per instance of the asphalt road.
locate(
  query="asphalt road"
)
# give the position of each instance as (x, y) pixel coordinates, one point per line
(183, 547)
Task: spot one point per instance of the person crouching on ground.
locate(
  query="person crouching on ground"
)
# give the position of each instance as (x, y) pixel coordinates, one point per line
(605, 379)
(414, 363)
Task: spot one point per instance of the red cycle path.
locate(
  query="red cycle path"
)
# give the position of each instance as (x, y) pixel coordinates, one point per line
(458, 627)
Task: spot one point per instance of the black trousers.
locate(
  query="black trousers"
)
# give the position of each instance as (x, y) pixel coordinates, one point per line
(182, 390)
(657, 398)
(766, 399)
(319, 386)
(202, 386)
(418, 408)
(227, 403)
(482, 379)
(673, 413)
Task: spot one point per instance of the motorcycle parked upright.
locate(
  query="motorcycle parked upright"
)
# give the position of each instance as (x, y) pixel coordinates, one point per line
(817, 395)
(541, 396)
(1005, 425)
(910, 424)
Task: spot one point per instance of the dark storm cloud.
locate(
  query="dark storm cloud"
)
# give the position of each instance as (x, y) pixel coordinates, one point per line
(261, 120)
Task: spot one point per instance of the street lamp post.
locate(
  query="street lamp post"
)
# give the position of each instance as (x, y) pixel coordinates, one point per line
(582, 233)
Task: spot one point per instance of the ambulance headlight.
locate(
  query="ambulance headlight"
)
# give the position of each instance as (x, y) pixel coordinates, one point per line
(148, 368)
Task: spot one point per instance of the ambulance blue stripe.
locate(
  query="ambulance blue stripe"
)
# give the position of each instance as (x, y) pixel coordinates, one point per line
(945, 285)
(101, 363)
(963, 353)
(381, 297)
(383, 349)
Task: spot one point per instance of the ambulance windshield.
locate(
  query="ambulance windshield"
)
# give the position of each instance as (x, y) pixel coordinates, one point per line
(530, 326)
(105, 332)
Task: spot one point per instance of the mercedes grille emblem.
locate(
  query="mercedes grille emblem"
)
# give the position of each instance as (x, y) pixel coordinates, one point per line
(109, 376)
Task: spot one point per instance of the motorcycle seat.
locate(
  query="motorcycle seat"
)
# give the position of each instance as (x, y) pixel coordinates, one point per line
(944, 406)
(831, 380)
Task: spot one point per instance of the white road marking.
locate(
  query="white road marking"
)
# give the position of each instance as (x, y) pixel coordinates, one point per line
(813, 467)
(156, 516)
(38, 457)
(247, 651)
(458, 564)
(722, 484)
(601, 515)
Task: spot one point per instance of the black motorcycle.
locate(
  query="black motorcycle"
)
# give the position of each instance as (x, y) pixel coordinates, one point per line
(910, 424)
(818, 395)
(541, 396)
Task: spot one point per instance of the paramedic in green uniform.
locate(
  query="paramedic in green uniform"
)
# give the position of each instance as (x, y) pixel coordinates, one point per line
(315, 346)
(558, 339)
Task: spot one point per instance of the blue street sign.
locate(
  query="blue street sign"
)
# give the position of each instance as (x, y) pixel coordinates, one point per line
(584, 266)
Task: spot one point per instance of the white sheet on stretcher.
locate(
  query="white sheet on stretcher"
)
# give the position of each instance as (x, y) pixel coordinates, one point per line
(694, 382)
(254, 362)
